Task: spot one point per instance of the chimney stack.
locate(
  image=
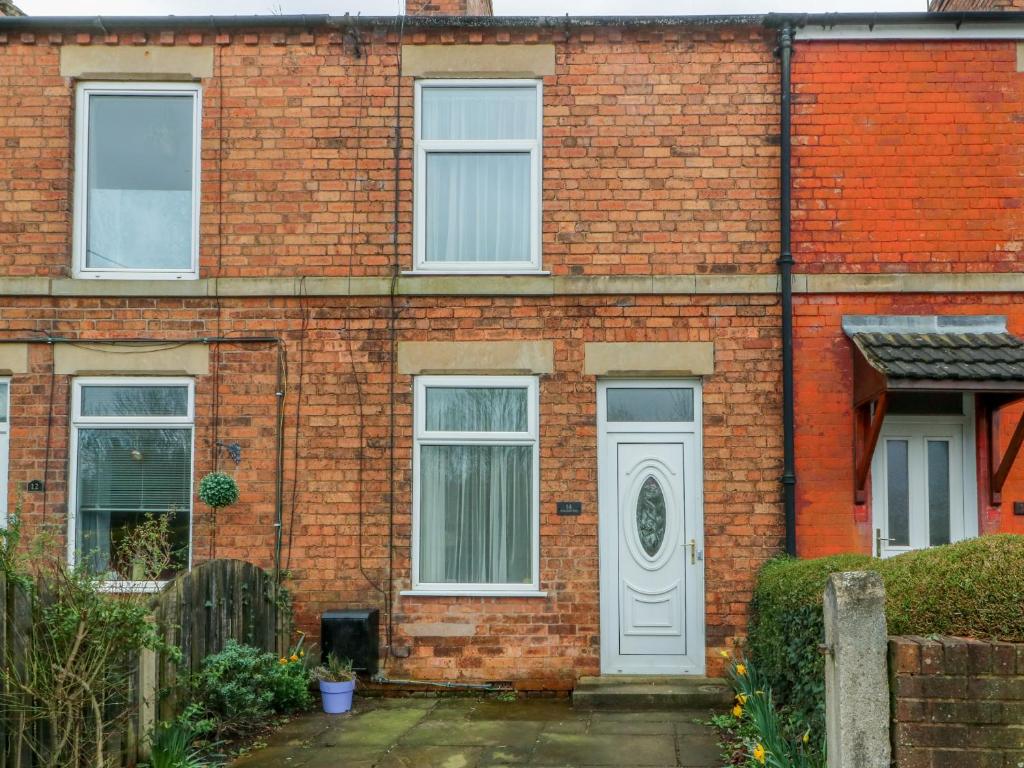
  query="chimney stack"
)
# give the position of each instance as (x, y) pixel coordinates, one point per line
(975, 5)
(449, 8)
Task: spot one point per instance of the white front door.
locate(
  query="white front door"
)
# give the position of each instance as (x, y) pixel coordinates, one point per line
(922, 485)
(652, 594)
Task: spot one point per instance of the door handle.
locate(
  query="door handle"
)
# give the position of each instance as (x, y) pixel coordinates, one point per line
(693, 551)
(878, 542)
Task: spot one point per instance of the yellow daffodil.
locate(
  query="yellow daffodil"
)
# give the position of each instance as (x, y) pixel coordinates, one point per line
(283, 660)
(741, 669)
(294, 657)
(807, 736)
(741, 698)
(759, 754)
(302, 653)
(737, 711)
(724, 654)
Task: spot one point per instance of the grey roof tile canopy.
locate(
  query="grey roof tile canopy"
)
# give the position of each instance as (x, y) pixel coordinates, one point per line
(936, 347)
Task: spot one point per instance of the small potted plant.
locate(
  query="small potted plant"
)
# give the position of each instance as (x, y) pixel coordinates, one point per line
(337, 682)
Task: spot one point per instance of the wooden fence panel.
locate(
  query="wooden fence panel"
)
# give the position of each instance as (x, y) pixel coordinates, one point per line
(199, 612)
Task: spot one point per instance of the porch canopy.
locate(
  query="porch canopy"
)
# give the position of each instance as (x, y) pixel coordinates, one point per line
(928, 354)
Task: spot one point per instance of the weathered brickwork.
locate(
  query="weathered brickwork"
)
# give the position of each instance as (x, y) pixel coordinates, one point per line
(333, 501)
(660, 158)
(907, 156)
(956, 702)
(659, 150)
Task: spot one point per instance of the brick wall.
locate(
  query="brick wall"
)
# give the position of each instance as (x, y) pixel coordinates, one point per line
(828, 522)
(975, 5)
(659, 150)
(956, 702)
(908, 156)
(337, 507)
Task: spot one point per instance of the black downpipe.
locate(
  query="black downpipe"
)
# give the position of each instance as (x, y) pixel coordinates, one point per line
(786, 278)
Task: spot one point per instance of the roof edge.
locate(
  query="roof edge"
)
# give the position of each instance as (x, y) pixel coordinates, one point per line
(771, 20)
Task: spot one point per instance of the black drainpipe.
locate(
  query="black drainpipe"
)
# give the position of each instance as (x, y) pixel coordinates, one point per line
(785, 263)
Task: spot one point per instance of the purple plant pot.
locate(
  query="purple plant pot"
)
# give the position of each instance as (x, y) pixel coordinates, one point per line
(337, 697)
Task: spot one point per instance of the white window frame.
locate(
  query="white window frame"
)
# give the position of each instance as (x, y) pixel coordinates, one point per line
(114, 422)
(424, 147)
(5, 452)
(422, 437)
(79, 240)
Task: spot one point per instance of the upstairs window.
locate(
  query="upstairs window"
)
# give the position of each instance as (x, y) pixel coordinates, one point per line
(137, 183)
(478, 160)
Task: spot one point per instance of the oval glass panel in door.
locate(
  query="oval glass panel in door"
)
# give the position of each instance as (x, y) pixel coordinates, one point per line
(650, 516)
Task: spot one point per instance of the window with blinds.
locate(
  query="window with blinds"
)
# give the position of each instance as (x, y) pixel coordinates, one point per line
(132, 454)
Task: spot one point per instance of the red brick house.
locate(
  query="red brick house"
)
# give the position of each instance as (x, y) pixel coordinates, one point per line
(907, 186)
(483, 313)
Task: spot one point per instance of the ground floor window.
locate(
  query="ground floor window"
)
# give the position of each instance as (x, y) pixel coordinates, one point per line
(131, 456)
(924, 487)
(476, 490)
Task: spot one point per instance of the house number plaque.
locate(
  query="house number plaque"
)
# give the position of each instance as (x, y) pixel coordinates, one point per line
(34, 485)
(569, 508)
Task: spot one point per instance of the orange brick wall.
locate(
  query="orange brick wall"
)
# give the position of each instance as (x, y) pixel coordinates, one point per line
(658, 150)
(828, 522)
(908, 156)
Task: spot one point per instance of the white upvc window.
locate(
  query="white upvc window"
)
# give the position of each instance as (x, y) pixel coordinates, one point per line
(475, 489)
(5, 445)
(477, 175)
(137, 161)
(131, 457)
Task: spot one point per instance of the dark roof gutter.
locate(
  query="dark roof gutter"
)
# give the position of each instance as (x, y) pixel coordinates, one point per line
(106, 23)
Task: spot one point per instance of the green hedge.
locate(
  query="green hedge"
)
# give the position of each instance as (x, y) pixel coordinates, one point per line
(973, 589)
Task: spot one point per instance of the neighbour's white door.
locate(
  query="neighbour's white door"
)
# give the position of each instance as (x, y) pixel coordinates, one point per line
(652, 597)
(922, 485)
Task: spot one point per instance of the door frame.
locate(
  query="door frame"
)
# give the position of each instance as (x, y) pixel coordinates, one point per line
(609, 436)
(898, 426)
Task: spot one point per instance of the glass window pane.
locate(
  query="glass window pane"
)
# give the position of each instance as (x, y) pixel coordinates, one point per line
(898, 477)
(478, 207)
(938, 492)
(479, 113)
(925, 403)
(477, 409)
(4, 398)
(140, 182)
(102, 400)
(123, 475)
(647, 404)
(476, 514)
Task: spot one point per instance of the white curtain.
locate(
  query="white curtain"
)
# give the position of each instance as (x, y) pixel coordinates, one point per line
(478, 203)
(476, 500)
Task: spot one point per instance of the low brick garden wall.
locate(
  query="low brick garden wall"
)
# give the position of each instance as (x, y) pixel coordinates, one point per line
(956, 702)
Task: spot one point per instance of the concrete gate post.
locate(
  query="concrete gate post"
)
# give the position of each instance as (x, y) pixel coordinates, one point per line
(856, 672)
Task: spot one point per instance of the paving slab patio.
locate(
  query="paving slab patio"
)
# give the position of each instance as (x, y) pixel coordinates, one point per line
(481, 733)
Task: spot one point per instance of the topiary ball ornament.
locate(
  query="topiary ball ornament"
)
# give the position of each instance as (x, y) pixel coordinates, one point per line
(218, 489)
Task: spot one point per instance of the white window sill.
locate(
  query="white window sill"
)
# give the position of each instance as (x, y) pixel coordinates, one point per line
(473, 593)
(475, 273)
(132, 587)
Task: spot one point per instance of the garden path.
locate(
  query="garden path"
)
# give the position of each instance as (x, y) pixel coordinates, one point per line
(475, 733)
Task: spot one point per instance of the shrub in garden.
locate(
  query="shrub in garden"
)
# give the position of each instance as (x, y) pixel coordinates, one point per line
(972, 588)
(70, 691)
(242, 687)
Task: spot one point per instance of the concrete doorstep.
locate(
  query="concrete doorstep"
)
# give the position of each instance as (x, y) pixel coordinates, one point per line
(635, 692)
